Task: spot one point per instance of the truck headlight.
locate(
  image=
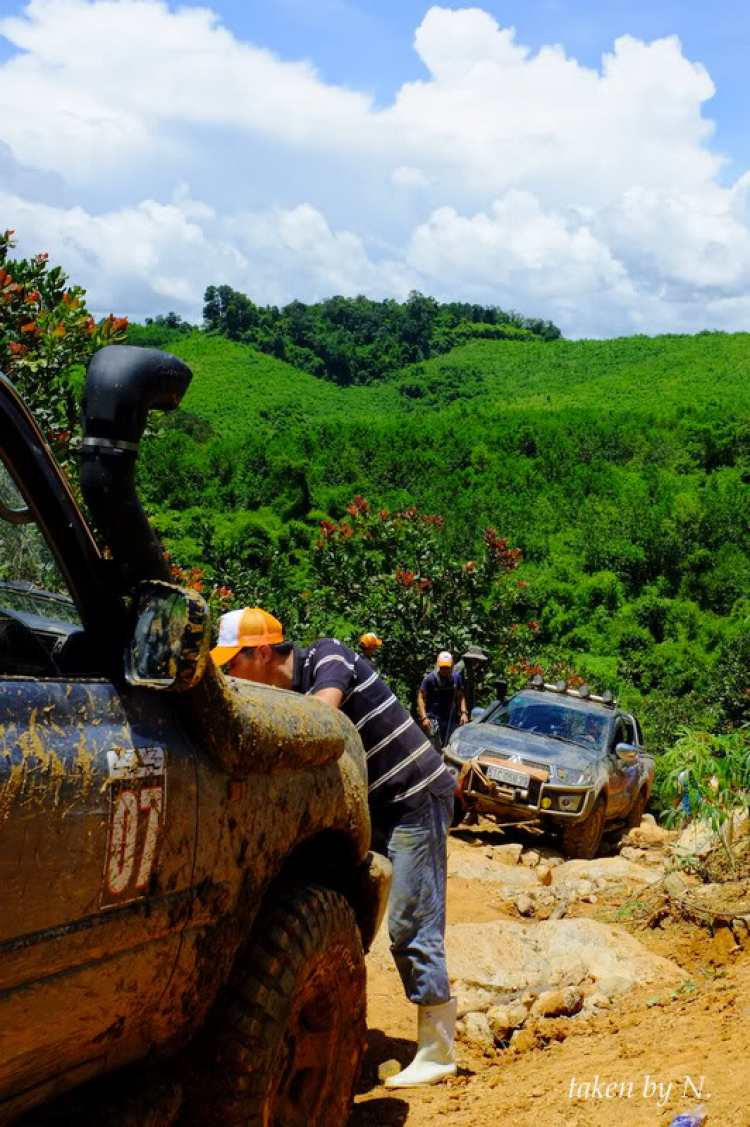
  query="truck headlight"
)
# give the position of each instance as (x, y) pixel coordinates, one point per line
(570, 802)
(571, 776)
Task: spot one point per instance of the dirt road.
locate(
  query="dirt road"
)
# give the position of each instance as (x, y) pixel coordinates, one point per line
(652, 1053)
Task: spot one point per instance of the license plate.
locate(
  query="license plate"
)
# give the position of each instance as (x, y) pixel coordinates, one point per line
(510, 778)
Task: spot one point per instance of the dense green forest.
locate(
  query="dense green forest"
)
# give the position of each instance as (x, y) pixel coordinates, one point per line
(356, 340)
(619, 470)
(447, 474)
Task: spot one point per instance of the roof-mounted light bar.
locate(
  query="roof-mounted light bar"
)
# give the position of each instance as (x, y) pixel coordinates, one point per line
(583, 692)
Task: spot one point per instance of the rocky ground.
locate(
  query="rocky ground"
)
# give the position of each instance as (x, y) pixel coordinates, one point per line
(589, 992)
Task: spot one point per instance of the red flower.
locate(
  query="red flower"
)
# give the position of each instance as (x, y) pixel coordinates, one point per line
(470, 566)
(424, 584)
(534, 626)
(522, 583)
(405, 578)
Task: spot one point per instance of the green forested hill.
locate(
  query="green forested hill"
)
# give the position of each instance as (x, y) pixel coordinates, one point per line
(631, 372)
(234, 385)
(621, 469)
(235, 388)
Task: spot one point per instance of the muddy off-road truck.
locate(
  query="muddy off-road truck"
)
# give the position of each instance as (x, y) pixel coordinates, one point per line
(572, 762)
(185, 875)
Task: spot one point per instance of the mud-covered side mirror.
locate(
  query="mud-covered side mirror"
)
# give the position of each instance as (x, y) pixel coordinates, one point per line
(169, 638)
(626, 753)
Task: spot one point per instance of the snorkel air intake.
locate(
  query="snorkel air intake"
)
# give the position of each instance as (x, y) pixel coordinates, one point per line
(123, 384)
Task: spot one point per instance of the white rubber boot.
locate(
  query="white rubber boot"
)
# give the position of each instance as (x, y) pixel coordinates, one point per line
(434, 1058)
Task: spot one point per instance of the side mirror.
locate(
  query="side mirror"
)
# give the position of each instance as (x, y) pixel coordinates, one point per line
(477, 712)
(626, 753)
(169, 639)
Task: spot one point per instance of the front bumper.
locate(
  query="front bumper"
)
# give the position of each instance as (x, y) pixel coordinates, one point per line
(550, 799)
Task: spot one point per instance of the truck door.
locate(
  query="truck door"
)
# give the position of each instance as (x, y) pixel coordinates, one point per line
(623, 776)
(97, 826)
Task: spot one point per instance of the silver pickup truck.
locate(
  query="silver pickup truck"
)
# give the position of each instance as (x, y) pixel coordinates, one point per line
(559, 757)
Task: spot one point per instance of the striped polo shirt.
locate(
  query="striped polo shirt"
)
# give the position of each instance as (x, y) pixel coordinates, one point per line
(402, 764)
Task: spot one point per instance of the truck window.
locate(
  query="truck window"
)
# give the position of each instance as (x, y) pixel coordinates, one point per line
(37, 616)
(629, 730)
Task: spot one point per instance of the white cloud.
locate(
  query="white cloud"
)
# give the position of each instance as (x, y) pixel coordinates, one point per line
(133, 261)
(405, 176)
(524, 179)
(156, 256)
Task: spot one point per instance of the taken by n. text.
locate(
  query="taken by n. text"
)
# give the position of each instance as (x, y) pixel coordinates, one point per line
(646, 1087)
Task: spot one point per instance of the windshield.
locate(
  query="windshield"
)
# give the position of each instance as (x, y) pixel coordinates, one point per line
(552, 718)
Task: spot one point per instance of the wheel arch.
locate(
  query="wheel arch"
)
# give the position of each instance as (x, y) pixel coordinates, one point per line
(331, 859)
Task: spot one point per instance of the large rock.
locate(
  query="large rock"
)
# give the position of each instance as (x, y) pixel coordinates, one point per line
(508, 854)
(614, 869)
(541, 855)
(476, 1028)
(503, 959)
(515, 876)
(558, 1003)
(696, 840)
(504, 1019)
(649, 836)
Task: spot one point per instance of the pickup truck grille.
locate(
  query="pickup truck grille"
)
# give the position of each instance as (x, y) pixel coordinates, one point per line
(539, 766)
(526, 762)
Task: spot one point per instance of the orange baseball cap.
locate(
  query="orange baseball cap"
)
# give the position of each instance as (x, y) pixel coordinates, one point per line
(250, 626)
(370, 640)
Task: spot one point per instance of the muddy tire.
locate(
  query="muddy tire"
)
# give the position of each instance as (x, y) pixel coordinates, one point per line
(635, 817)
(288, 1035)
(582, 839)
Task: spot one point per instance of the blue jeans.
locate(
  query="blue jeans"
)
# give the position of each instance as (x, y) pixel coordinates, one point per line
(417, 849)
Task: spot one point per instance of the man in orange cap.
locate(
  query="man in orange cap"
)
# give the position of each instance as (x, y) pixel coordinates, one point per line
(410, 795)
(239, 632)
(369, 644)
(440, 701)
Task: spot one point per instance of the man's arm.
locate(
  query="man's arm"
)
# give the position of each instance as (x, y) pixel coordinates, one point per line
(463, 713)
(424, 719)
(331, 696)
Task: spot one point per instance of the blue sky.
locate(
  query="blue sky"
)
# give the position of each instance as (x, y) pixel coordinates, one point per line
(587, 166)
(368, 45)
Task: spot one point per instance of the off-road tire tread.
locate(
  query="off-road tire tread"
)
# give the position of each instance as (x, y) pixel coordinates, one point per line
(577, 839)
(256, 999)
(638, 807)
